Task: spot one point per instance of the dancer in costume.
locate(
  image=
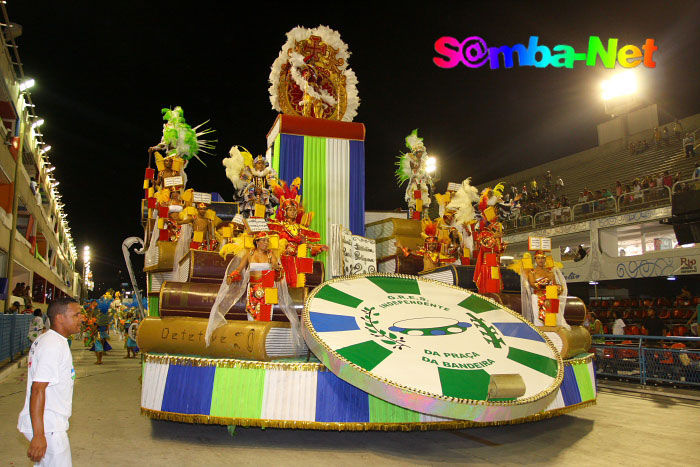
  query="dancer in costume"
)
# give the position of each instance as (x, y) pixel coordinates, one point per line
(258, 199)
(204, 236)
(534, 282)
(259, 273)
(462, 202)
(487, 276)
(297, 241)
(265, 270)
(239, 167)
(412, 168)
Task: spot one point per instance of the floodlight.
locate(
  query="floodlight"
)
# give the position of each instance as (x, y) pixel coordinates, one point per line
(24, 85)
(622, 84)
(38, 123)
(431, 165)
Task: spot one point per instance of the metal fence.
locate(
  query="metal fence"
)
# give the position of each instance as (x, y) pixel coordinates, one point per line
(645, 359)
(13, 336)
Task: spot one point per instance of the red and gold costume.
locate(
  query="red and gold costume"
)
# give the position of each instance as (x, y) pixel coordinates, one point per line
(487, 275)
(295, 240)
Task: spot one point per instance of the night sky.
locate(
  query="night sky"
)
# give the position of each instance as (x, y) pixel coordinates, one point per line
(105, 69)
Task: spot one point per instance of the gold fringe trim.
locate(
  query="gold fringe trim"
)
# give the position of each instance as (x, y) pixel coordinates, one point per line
(233, 363)
(577, 361)
(339, 426)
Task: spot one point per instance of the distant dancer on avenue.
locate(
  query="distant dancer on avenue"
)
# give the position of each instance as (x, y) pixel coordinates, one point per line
(49, 400)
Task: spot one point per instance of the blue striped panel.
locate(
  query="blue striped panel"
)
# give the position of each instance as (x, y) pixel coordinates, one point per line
(292, 159)
(324, 322)
(357, 187)
(338, 401)
(188, 389)
(569, 388)
(521, 330)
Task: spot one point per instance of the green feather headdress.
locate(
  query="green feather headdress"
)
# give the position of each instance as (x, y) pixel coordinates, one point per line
(181, 139)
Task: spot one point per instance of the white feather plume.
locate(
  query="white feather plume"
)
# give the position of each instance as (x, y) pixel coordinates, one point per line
(234, 166)
(462, 202)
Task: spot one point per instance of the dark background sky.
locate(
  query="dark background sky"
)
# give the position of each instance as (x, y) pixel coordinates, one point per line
(105, 69)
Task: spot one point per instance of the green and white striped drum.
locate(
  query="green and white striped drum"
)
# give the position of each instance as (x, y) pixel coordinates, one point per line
(431, 347)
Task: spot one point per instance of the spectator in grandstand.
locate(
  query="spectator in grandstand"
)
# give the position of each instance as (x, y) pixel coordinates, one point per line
(633, 148)
(665, 135)
(695, 326)
(645, 145)
(618, 189)
(668, 180)
(685, 294)
(548, 179)
(560, 184)
(659, 179)
(618, 325)
(513, 191)
(677, 129)
(689, 145)
(15, 308)
(636, 190)
(580, 254)
(657, 136)
(594, 326)
(523, 192)
(696, 172)
(653, 324)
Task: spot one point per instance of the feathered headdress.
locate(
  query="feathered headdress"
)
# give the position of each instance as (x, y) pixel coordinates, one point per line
(429, 232)
(181, 139)
(413, 141)
(463, 202)
(289, 194)
(235, 163)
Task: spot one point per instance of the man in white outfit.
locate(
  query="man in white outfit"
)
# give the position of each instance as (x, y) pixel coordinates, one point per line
(49, 400)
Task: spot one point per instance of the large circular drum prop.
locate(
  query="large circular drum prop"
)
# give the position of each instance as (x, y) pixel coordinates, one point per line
(431, 347)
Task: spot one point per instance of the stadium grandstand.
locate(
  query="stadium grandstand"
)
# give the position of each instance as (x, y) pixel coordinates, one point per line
(618, 246)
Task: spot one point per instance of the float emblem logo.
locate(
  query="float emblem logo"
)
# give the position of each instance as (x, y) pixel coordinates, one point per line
(473, 52)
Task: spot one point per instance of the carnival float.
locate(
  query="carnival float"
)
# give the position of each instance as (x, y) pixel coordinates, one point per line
(282, 308)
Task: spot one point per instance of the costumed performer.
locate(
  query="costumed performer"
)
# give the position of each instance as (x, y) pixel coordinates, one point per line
(432, 257)
(412, 167)
(297, 241)
(259, 273)
(239, 165)
(462, 202)
(543, 292)
(204, 232)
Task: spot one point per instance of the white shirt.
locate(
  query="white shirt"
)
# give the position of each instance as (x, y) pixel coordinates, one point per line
(618, 327)
(50, 361)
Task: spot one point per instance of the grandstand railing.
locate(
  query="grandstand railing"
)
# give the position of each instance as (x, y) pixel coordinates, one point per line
(689, 184)
(643, 199)
(646, 359)
(518, 223)
(596, 208)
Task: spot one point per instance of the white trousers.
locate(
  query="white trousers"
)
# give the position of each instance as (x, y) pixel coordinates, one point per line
(57, 450)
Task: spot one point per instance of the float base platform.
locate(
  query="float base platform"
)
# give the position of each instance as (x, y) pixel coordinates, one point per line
(301, 395)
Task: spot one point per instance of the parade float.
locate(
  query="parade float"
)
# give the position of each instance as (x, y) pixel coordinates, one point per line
(269, 310)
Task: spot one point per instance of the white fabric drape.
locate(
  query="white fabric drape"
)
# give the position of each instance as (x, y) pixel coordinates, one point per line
(337, 186)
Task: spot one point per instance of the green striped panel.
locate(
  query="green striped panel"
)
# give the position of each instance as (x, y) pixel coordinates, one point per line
(465, 384)
(477, 304)
(337, 296)
(237, 393)
(381, 411)
(537, 362)
(583, 380)
(153, 306)
(313, 186)
(396, 284)
(276, 155)
(366, 354)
